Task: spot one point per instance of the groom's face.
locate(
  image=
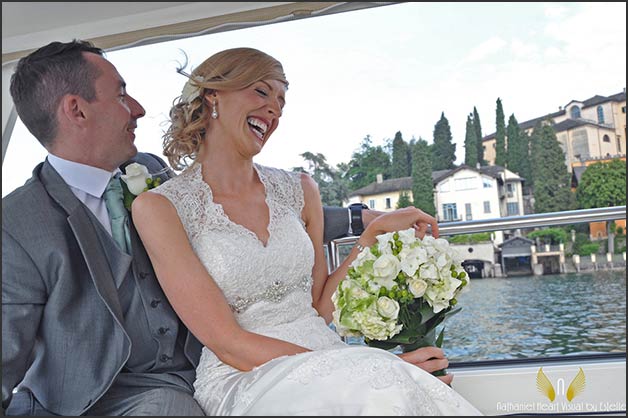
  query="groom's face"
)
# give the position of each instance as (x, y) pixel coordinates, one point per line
(112, 117)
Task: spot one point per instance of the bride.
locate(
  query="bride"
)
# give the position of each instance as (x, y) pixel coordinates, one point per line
(238, 249)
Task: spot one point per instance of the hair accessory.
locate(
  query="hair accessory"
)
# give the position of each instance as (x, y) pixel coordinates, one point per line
(191, 89)
(214, 113)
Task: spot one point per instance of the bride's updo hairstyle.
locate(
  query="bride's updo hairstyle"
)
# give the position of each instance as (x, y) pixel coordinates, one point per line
(231, 69)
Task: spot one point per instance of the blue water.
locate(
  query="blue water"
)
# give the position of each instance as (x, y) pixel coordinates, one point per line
(537, 316)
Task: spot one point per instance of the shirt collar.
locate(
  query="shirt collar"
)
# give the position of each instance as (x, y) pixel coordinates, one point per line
(91, 180)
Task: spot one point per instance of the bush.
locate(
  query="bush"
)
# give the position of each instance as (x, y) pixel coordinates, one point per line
(550, 236)
(588, 249)
(470, 238)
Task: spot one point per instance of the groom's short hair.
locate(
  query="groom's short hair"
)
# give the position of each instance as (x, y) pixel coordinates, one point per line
(44, 76)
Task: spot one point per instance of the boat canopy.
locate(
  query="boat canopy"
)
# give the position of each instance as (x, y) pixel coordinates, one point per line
(27, 26)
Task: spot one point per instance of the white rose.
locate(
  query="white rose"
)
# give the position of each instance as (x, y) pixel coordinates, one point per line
(135, 177)
(387, 307)
(417, 287)
(386, 267)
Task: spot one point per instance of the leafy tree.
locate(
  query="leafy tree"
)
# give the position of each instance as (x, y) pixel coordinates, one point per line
(422, 185)
(331, 184)
(366, 163)
(552, 191)
(478, 134)
(500, 135)
(470, 144)
(443, 149)
(400, 157)
(602, 185)
(404, 200)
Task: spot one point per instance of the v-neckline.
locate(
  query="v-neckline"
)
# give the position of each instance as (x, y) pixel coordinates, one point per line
(221, 210)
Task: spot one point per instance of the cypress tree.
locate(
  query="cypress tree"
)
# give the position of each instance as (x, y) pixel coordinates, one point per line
(443, 149)
(470, 144)
(515, 151)
(400, 161)
(422, 185)
(500, 135)
(478, 134)
(552, 182)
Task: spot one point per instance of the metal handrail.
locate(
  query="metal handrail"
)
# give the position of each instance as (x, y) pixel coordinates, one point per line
(498, 224)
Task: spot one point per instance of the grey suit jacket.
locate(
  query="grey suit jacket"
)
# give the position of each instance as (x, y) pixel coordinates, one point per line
(60, 306)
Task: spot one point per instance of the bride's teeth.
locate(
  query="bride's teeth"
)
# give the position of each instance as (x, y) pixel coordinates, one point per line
(258, 124)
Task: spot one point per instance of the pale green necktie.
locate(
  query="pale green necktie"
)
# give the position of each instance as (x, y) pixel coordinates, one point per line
(114, 199)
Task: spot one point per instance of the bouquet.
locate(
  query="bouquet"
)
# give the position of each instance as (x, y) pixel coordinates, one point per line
(398, 291)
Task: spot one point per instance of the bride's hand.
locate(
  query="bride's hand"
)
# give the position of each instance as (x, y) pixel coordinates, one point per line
(400, 219)
(429, 359)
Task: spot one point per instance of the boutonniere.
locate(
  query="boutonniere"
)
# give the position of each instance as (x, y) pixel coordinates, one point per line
(137, 179)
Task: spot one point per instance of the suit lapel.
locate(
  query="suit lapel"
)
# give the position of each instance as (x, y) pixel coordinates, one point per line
(87, 238)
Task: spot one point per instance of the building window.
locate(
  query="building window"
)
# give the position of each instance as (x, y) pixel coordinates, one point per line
(487, 206)
(487, 183)
(580, 144)
(623, 109)
(600, 114)
(575, 112)
(510, 189)
(467, 212)
(450, 212)
(388, 203)
(618, 144)
(372, 203)
(606, 138)
(512, 209)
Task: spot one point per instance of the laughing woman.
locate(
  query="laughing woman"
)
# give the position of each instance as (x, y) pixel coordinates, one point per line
(238, 250)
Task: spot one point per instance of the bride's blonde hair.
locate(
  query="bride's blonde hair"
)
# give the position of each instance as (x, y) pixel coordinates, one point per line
(231, 69)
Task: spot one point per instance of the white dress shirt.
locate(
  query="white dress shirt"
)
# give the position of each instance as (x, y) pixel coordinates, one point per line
(87, 183)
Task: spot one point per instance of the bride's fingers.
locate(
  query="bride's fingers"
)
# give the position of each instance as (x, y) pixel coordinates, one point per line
(420, 230)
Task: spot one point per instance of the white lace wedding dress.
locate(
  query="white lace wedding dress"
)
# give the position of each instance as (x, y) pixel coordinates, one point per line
(268, 288)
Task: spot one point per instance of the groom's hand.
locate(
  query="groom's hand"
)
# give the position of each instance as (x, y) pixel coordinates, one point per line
(429, 359)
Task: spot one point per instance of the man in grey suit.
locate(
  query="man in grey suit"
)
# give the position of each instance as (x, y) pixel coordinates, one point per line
(86, 328)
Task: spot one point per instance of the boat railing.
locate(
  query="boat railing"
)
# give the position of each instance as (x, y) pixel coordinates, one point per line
(536, 220)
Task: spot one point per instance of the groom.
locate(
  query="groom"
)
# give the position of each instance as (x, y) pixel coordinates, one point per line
(86, 328)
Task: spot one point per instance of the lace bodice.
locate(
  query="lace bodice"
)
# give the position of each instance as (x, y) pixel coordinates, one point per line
(268, 287)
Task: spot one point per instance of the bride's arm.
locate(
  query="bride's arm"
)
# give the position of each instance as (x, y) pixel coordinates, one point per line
(192, 292)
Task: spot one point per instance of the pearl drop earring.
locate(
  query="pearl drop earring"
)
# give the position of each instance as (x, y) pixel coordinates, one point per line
(214, 113)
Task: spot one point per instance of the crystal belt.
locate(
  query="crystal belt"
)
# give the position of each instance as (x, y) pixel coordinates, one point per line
(273, 293)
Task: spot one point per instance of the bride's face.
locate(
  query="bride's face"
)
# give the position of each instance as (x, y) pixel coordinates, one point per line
(250, 116)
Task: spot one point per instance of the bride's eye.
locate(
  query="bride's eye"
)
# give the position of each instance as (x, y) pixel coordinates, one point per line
(261, 92)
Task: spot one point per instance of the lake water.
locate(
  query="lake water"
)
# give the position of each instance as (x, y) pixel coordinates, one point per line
(538, 316)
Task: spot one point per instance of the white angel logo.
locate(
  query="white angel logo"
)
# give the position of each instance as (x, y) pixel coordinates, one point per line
(575, 388)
